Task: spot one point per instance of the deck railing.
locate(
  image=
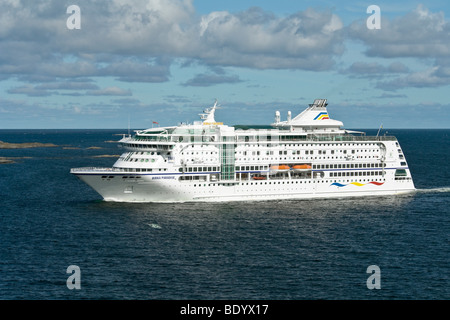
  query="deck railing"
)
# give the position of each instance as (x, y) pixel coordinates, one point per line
(94, 169)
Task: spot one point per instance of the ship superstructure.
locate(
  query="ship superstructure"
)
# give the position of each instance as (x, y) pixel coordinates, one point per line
(308, 156)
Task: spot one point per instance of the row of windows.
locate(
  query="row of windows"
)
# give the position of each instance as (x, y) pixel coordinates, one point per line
(331, 144)
(199, 152)
(252, 168)
(346, 165)
(129, 156)
(281, 152)
(191, 177)
(200, 169)
(144, 152)
(357, 173)
(149, 146)
(323, 145)
(403, 178)
(259, 168)
(269, 144)
(287, 182)
(333, 174)
(265, 168)
(298, 152)
(243, 159)
(170, 147)
(142, 169)
(318, 166)
(138, 160)
(205, 160)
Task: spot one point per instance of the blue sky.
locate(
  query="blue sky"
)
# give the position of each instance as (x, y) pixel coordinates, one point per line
(166, 60)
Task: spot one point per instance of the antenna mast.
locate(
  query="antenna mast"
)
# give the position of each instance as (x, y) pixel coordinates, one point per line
(128, 124)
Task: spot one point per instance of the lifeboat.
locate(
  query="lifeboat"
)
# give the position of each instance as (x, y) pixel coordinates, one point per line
(279, 168)
(259, 178)
(301, 168)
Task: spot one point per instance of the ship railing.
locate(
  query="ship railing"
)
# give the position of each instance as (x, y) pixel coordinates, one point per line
(153, 138)
(278, 138)
(339, 138)
(95, 169)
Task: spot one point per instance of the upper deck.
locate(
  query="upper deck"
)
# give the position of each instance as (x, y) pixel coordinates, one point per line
(314, 124)
(249, 135)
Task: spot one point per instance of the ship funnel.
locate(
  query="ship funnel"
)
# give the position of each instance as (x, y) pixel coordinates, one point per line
(277, 116)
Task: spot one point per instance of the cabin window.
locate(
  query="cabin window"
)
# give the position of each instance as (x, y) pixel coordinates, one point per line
(400, 173)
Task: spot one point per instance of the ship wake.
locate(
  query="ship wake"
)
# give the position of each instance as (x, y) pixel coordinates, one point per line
(434, 190)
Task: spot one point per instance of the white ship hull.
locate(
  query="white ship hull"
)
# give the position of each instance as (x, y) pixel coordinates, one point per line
(167, 188)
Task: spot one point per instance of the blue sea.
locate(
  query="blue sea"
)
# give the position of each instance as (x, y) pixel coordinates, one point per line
(264, 250)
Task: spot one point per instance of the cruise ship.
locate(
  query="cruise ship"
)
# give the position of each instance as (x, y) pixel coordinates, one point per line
(307, 156)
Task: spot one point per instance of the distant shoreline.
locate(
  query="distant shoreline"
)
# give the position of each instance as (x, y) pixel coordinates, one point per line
(7, 145)
(7, 160)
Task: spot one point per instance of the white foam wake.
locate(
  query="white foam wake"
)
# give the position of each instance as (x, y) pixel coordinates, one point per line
(434, 190)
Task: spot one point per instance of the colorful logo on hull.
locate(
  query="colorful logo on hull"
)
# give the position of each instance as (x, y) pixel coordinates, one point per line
(356, 184)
